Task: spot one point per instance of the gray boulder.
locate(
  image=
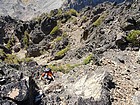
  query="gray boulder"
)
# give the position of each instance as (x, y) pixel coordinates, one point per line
(33, 51)
(36, 36)
(16, 91)
(47, 25)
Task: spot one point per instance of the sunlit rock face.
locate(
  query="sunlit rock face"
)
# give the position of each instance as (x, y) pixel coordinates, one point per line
(27, 9)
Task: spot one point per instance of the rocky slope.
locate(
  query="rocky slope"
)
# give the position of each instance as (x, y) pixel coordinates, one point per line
(28, 9)
(94, 54)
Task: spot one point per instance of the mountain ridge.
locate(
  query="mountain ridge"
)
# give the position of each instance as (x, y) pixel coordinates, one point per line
(28, 9)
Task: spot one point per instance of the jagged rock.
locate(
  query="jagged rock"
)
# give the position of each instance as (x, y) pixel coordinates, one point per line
(132, 21)
(47, 25)
(60, 46)
(91, 88)
(6, 39)
(2, 81)
(17, 91)
(19, 31)
(6, 50)
(7, 102)
(44, 44)
(36, 36)
(33, 51)
(85, 35)
(121, 41)
(17, 88)
(16, 48)
(128, 26)
(2, 32)
(20, 28)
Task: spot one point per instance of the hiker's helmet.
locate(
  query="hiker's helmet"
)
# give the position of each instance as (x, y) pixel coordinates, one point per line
(47, 69)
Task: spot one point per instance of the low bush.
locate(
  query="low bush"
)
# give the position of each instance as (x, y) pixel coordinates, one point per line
(99, 20)
(11, 59)
(2, 54)
(88, 59)
(73, 12)
(10, 42)
(26, 39)
(57, 68)
(134, 37)
(62, 52)
(54, 30)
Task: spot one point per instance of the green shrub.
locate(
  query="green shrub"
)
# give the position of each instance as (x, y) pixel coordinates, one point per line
(40, 18)
(58, 39)
(133, 37)
(64, 34)
(11, 59)
(88, 59)
(73, 20)
(56, 68)
(60, 12)
(63, 68)
(99, 20)
(62, 52)
(84, 19)
(2, 54)
(10, 42)
(26, 39)
(69, 67)
(73, 12)
(54, 30)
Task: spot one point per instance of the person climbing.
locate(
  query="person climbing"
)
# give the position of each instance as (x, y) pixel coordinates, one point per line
(47, 74)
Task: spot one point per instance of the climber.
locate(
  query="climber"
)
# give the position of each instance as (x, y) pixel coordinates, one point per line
(47, 75)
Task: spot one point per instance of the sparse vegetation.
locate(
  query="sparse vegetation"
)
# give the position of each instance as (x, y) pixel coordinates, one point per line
(84, 19)
(57, 68)
(58, 39)
(41, 17)
(2, 54)
(134, 37)
(11, 59)
(10, 42)
(60, 12)
(70, 67)
(73, 12)
(26, 39)
(62, 52)
(99, 20)
(54, 30)
(88, 59)
(63, 68)
(73, 20)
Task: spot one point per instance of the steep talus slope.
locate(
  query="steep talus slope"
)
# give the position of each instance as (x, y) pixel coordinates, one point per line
(94, 54)
(20, 87)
